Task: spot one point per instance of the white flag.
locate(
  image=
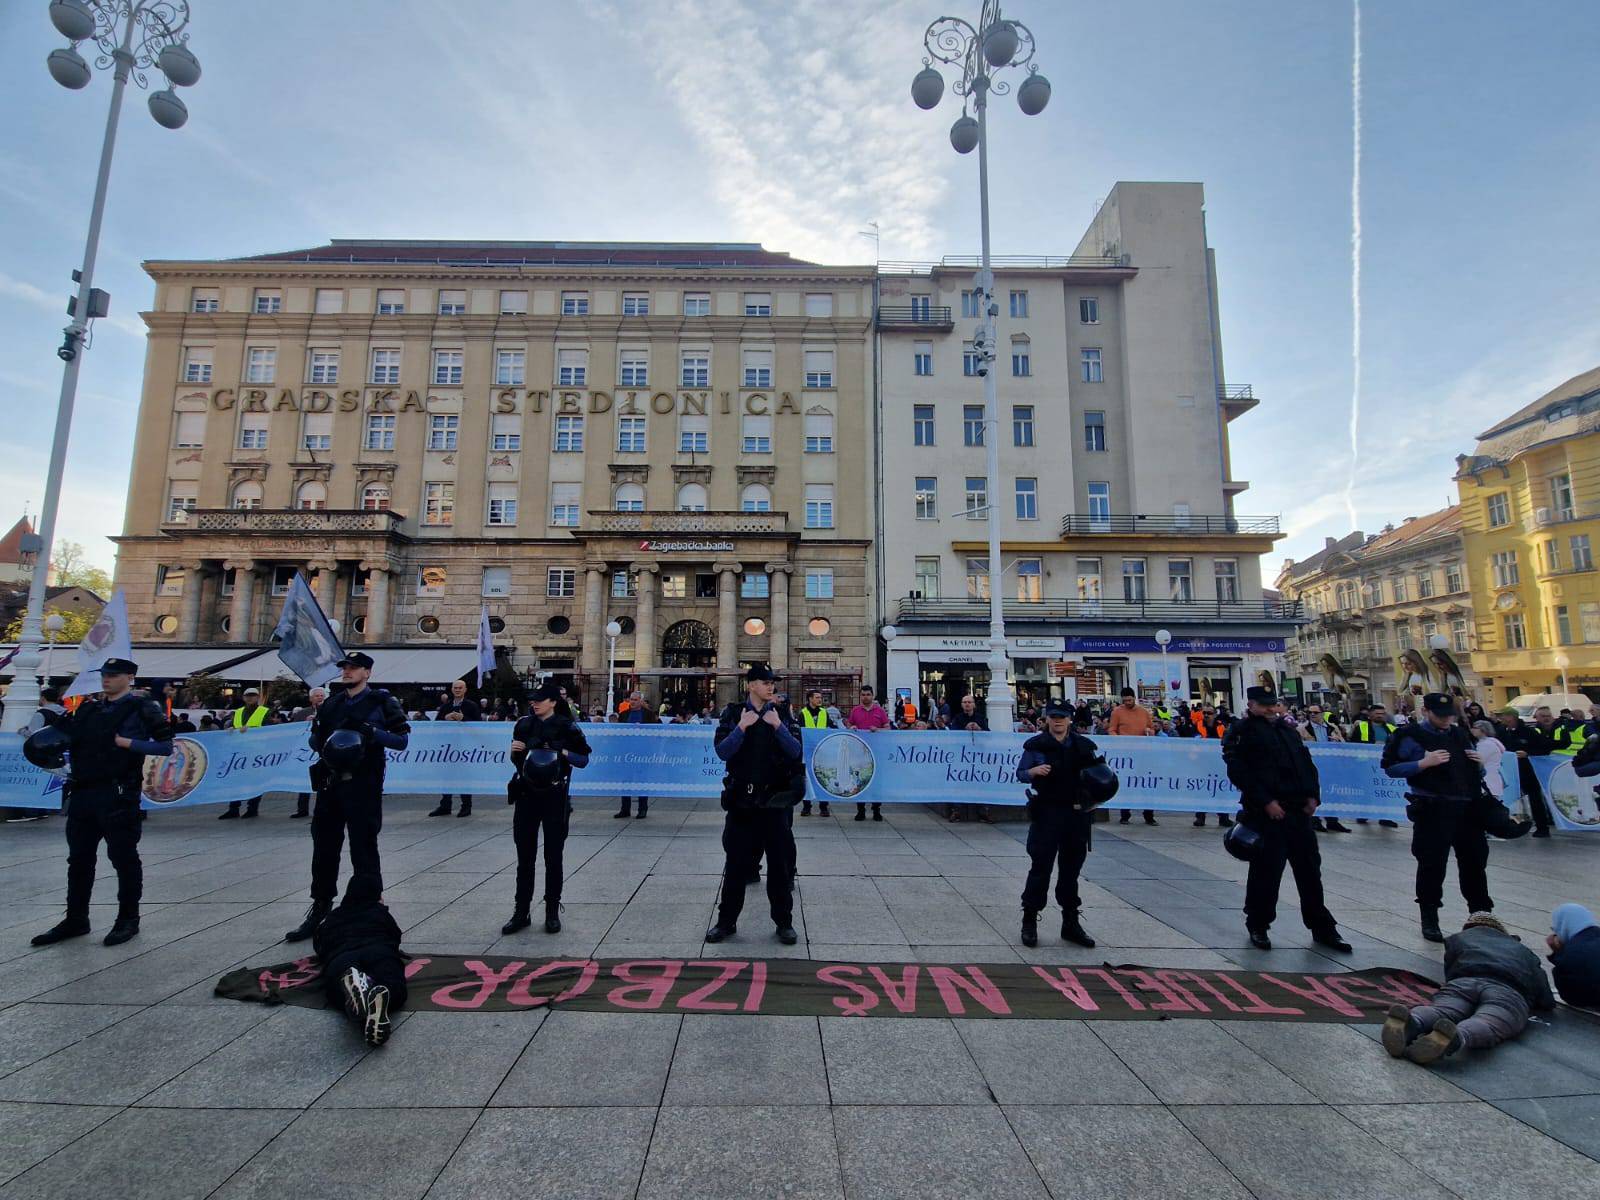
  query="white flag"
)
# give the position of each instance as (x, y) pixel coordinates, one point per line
(485, 647)
(108, 638)
(309, 647)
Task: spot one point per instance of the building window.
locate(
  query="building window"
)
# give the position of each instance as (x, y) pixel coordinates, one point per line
(1226, 572)
(247, 494)
(697, 304)
(1498, 508)
(324, 366)
(977, 579)
(505, 432)
(1180, 515)
(757, 368)
(1380, 642)
(496, 581)
(375, 497)
(819, 583)
(1180, 580)
(692, 498)
(1099, 507)
(190, 432)
(452, 304)
(181, 501)
(316, 431)
(380, 432)
(569, 435)
(1133, 590)
(969, 359)
(819, 304)
(197, 364)
(694, 368)
(311, 495)
(757, 434)
(635, 369)
(1458, 634)
(502, 504)
(694, 433)
(630, 435)
(636, 304)
(1425, 584)
(1091, 365)
(819, 433)
(1021, 359)
(205, 300)
(755, 499)
(447, 366)
(754, 585)
(253, 431)
(1027, 499)
(1022, 424)
(1030, 580)
(922, 358)
(564, 499)
(510, 368)
(758, 304)
(705, 586)
(629, 498)
(1088, 310)
(572, 368)
(819, 368)
(1019, 304)
(329, 300)
(268, 302)
(972, 424)
(1588, 621)
(261, 364)
(1401, 588)
(1504, 567)
(673, 586)
(921, 308)
(1452, 579)
(561, 582)
(1562, 502)
(1563, 625)
(927, 577)
(1094, 432)
(1582, 560)
(391, 302)
(442, 431)
(624, 585)
(169, 580)
(513, 304)
(438, 503)
(922, 425)
(574, 304)
(283, 579)
(819, 506)
(1515, 634)
(927, 498)
(971, 303)
(386, 366)
(977, 508)
(1552, 554)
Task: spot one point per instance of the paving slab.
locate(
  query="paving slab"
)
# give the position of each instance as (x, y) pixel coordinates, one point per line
(932, 1153)
(33, 1132)
(1049, 1062)
(1195, 1062)
(593, 1059)
(1572, 1120)
(746, 1150)
(1340, 1066)
(767, 1061)
(437, 1060)
(1132, 1150)
(29, 1032)
(574, 1153)
(899, 1060)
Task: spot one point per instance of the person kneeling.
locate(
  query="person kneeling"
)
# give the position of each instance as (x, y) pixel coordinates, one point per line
(1492, 981)
(363, 970)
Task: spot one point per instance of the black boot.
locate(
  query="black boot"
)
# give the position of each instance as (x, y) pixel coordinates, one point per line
(302, 807)
(444, 808)
(805, 808)
(314, 916)
(1199, 820)
(1224, 820)
(1127, 815)
(644, 808)
(626, 810)
(466, 807)
(125, 929)
(552, 916)
(231, 814)
(1337, 826)
(68, 927)
(520, 920)
(1430, 924)
(720, 932)
(861, 812)
(822, 810)
(1259, 939)
(1330, 938)
(1072, 930)
(1030, 928)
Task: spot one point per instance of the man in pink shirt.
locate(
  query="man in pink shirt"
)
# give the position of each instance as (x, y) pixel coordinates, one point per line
(869, 717)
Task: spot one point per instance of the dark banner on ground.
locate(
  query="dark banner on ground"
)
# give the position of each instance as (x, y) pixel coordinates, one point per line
(805, 988)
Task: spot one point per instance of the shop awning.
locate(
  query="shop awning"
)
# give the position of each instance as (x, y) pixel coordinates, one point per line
(155, 662)
(400, 664)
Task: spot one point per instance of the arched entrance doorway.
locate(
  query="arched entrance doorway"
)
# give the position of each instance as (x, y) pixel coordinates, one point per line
(688, 646)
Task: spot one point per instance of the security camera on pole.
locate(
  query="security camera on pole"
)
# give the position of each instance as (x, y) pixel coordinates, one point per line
(151, 34)
(996, 43)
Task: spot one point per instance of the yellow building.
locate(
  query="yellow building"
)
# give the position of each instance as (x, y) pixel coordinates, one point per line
(1530, 505)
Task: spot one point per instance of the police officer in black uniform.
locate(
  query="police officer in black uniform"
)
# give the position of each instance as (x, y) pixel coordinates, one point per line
(349, 798)
(545, 746)
(760, 742)
(1058, 824)
(1448, 807)
(111, 736)
(1269, 763)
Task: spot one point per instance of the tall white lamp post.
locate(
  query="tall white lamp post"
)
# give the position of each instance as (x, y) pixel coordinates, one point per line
(993, 45)
(53, 625)
(1164, 639)
(613, 632)
(1562, 662)
(132, 37)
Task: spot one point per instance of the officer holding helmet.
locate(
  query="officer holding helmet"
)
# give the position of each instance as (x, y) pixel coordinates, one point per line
(545, 746)
(350, 733)
(1060, 799)
(102, 747)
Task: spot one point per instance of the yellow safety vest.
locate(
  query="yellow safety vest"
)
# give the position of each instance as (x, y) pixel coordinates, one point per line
(255, 721)
(1364, 730)
(1565, 745)
(820, 721)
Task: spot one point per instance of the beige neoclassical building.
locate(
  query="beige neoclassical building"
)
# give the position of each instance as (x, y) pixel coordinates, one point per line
(676, 437)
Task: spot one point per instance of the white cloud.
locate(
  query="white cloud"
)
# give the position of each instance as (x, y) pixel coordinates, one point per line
(39, 298)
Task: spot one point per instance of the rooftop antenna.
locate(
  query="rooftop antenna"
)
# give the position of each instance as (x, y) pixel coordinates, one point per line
(871, 231)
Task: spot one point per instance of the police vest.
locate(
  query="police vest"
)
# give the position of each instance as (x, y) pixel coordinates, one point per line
(1567, 742)
(1364, 730)
(1164, 713)
(819, 721)
(255, 720)
(1460, 776)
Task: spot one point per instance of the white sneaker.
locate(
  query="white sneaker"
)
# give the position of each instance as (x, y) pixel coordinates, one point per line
(377, 1026)
(357, 986)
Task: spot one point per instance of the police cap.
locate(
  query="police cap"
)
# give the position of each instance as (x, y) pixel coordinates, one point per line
(119, 666)
(1261, 695)
(1440, 704)
(356, 659)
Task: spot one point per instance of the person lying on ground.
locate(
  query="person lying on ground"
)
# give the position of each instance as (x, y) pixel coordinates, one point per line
(363, 970)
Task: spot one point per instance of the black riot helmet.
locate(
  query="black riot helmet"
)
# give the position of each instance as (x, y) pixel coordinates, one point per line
(344, 750)
(1096, 785)
(1242, 842)
(47, 749)
(541, 768)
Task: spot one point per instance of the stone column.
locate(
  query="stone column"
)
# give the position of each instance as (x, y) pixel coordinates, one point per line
(324, 576)
(194, 581)
(644, 626)
(244, 586)
(778, 627)
(377, 600)
(727, 614)
(593, 653)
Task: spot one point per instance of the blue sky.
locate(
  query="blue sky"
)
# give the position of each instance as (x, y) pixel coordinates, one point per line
(790, 124)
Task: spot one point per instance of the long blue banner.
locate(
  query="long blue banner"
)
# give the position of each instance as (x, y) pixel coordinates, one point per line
(886, 767)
